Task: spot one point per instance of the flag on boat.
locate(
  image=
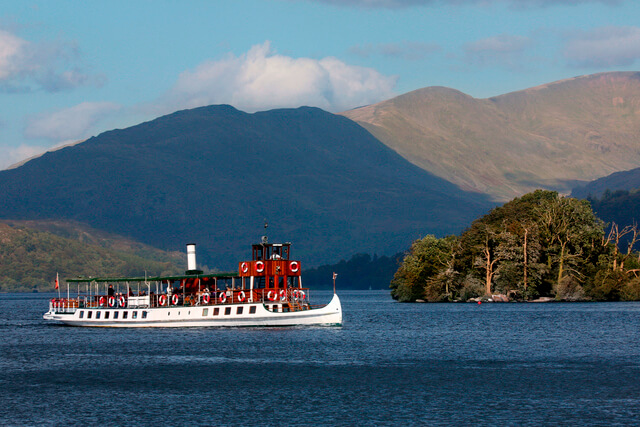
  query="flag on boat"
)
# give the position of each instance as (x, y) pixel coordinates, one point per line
(57, 281)
(335, 275)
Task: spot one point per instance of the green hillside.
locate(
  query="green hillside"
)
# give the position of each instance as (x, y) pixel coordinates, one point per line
(551, 136)
(30, 258)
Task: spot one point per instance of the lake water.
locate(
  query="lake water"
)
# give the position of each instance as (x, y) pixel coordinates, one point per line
(390, 364)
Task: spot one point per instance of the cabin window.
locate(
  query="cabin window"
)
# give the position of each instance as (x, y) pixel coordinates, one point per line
(205, 311)
(216, 311)
(252, 309)
(227, 311)
(259, 282)
(239, 310)
(106, 314)
(89, 314)
(97, 314)
(144, 314)
(115, 315)
(125, 314)
(135, 315)
(81, 314)
(275, 307)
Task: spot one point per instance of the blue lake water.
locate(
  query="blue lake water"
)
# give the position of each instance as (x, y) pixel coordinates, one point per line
(390, 364)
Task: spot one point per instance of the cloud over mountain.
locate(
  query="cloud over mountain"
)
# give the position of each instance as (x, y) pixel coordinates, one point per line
(604, 47)
(71, 123)
(51, 66)
(261, 79)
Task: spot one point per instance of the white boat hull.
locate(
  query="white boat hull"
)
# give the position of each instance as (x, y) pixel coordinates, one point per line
(221, 315)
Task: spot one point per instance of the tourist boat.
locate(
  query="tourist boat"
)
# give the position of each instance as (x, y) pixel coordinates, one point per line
(266, 291)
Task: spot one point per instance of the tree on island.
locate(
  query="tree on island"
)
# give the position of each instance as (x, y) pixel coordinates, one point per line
(541, 244)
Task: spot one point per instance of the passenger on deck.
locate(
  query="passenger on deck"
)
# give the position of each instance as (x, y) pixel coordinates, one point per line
(130, 292)
(110, 291)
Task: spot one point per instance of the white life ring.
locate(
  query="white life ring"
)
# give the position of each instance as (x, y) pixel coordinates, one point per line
(174, 299)
(102, 301)
(294, 266)
(302, 295)
(111, 301)
(162, 299)
(295, 294)
(244, 267)
(259, 266)
(272, 295)
(283, 295)
(206, 298)
(122, 301)
(223, 297)
(242, 296)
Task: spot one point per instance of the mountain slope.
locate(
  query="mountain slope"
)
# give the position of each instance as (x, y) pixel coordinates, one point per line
(212, 175)
(550, 136)
(625, 180)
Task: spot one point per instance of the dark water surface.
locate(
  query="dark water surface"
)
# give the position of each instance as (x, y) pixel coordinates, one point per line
(390, 364)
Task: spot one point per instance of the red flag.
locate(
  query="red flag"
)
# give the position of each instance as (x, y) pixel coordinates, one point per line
(57, 281)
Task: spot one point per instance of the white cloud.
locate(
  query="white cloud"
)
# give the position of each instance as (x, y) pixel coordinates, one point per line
(604, 47)
(407, 50)
(76, 122)
(11, 155)
(52, 66)
(261, 79)
(506, 50)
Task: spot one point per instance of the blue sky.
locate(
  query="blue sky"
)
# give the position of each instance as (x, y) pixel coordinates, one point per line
(73, 69)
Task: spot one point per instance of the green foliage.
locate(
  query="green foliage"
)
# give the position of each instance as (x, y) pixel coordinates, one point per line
(540, 244)
(30, 259)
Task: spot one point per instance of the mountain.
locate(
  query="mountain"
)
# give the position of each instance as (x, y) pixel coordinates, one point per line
(552, 136)
(625, 180)
(212, 175)
(30, 256)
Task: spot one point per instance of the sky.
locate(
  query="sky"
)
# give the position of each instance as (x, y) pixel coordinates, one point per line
(70, 70)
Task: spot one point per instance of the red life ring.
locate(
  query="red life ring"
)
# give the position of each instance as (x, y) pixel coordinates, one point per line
(121, 301)
(302, 295)
(111, 301)
(294, 266)
(223, 297)
(272, 295)
(102, 301)
(174, 299)
(294, 294)
(283, 295)
(259, 266)
(205, 298)
(242, 296)
(162, 299)
(245, 267)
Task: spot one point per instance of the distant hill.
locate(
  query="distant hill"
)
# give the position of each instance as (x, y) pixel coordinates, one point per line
(30, 257)
(212, 175)
(625, 180)
(552, 136)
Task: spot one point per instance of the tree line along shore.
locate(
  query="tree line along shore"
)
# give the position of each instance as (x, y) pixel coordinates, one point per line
(538, 245)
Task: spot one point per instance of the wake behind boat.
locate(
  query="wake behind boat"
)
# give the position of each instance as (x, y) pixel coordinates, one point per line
(266, 291)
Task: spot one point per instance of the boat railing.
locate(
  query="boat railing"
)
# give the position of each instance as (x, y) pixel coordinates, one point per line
(294, 298)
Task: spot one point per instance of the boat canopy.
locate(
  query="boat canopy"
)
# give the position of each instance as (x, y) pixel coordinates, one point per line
(222, 275)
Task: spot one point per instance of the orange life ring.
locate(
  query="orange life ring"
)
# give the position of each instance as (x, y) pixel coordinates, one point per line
(245, 267)
(294, 266)
(259, 266)
(242, 296)
(272, 295)
(121, 301)
(174, 299)
(223, 297)
(111, 301)
(206, 298)
(162, 299)
(283, 295)
(102, 301)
